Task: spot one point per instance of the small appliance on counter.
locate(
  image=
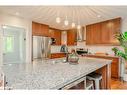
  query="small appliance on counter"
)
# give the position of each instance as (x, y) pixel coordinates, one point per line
(53, 41)
(81, 51)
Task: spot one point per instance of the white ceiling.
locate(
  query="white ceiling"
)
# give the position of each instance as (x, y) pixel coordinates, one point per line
(84, 14)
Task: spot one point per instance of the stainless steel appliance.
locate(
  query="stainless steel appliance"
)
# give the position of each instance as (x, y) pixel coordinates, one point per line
(41, 47)
(81, 51)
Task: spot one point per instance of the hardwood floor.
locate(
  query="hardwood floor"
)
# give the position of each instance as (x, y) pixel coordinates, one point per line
(118, 85)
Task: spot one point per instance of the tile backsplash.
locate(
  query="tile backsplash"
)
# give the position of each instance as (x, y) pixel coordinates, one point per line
(92, 49)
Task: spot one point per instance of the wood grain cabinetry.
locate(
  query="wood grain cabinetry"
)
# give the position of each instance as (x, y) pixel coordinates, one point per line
(71, 37)
(93, 34)
(114, 65)
(57, 55)
(39, 29)
(103, 32)
(55, 33)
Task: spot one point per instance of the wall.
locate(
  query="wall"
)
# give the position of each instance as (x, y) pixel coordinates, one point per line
(93, 49)
(17, 22)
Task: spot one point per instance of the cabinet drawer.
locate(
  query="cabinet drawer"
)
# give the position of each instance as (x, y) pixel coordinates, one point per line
(57, 55)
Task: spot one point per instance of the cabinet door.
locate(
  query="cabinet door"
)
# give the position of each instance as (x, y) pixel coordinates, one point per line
(89, 35)
(71, 37)
(57, 35)
(105, 31)
(109, 30)
(51, 32)
(45, 30)
(40, 29)
(93, 34)
(115, 68)
(57, 55)
(36, 29)
(96, 33)
(114, 29)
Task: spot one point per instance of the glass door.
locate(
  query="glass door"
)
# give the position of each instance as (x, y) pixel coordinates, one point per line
(14, 45)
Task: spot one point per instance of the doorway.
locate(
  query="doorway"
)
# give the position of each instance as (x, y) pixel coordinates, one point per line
(14, 45)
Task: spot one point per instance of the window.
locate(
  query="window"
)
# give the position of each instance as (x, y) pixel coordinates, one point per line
(8, 44)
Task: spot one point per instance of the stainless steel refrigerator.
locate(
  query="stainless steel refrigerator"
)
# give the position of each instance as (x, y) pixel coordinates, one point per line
(41, 47)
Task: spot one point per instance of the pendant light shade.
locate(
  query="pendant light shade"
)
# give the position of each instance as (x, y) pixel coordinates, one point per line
(58, 19)
(73, 25)
(66, 22)
(79, 27)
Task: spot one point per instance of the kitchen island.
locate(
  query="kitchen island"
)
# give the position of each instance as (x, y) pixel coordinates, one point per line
(54, 73)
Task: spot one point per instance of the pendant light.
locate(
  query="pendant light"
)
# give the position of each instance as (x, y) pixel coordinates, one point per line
(58, 20)
(66, 22)
(73, 24)
(79, 26)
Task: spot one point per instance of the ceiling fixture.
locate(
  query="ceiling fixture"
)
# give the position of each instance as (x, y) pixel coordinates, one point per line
(73, 24)
(66, 22)
(58, 19)
(79, 27)
(17, 13)
(98, 16)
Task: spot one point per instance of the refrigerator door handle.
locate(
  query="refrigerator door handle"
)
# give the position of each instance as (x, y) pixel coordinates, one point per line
(42, 49)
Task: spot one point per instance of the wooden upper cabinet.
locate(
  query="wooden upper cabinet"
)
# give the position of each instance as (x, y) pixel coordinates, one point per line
(71, 37)
(55, 33)
(40, 29)
(36, 29)
(115, 25)
(89, 35)
(93, 34)
(57, 36)
(103, 32)
(45, 30)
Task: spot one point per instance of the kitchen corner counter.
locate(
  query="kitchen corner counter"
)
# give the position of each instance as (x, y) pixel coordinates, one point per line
(51, 74)
(107, 56)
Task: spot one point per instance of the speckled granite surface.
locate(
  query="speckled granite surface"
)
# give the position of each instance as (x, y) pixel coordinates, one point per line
(49, 74)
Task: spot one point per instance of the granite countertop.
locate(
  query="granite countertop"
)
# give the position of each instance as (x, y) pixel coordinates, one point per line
(49, 74)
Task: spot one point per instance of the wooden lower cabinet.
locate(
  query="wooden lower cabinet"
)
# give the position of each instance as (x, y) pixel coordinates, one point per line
(57, 55)
(114, 65)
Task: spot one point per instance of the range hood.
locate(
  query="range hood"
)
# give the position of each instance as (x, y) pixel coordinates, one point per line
(81, 34)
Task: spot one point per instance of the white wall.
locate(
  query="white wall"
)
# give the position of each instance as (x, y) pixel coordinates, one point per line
(93, 49)
(17, 22)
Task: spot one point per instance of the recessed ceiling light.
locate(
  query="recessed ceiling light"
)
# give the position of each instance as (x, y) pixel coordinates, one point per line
(98, 16)
(17, 13)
